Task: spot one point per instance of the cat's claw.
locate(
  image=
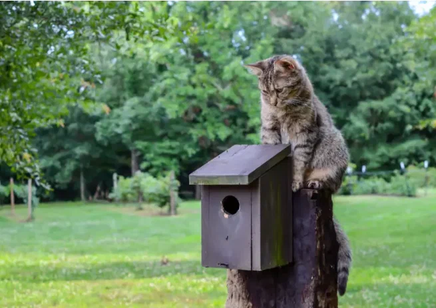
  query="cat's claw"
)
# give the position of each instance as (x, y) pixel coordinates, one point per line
(314, 184)
(296, 185)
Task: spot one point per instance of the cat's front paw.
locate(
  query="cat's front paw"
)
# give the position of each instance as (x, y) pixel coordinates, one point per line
(296, 185)
(314, 184)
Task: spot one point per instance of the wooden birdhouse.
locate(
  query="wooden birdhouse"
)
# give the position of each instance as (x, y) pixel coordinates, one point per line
(246, 208)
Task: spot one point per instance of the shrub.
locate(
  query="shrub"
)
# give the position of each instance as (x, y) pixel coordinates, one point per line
(154, 190)
(347, 185)
(419, 176)
(398, 185)
(401, 185)
(371, 186)
(20, 192)
(124, 191)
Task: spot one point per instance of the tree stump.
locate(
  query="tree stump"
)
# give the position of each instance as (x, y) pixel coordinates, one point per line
(310, 281)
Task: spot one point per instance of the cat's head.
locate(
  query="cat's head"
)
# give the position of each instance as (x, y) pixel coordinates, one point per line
(282, 80)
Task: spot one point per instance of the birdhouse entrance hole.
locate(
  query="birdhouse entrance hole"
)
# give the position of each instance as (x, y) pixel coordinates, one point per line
(230, 205)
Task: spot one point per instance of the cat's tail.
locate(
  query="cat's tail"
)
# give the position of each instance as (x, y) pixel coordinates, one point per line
(344, 258)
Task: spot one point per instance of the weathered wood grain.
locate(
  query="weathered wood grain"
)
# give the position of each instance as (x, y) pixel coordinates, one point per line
(239, 165)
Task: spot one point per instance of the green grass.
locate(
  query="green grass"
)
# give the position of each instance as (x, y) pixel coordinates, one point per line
(99, 255)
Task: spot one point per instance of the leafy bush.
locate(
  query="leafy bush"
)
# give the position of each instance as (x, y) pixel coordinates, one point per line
(154, 190)
(419, 176)
(402, 186)
(398, 185)
(20, 192)
(371, 186)
(124, 191)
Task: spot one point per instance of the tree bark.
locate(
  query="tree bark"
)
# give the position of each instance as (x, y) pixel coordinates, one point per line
(115, 180)
(82, 186)
(173, 201)
(97, 192)
(12, 197)
(310, 281)
(135, 163)
(140, 200)
(29, 201)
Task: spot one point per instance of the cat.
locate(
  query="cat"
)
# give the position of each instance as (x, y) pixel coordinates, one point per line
(291, 113)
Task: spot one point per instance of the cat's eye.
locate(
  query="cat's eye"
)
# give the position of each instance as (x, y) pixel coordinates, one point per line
(280, 90)
(264, 92)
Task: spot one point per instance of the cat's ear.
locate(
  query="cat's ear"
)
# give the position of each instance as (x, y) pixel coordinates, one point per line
(284, 65)
(256, 68)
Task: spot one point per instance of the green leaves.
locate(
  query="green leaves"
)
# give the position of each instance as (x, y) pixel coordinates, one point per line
(152, 190)
(166, 81)
(47, 61)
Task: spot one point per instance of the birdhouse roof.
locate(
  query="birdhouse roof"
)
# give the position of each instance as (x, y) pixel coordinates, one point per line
(240, 165)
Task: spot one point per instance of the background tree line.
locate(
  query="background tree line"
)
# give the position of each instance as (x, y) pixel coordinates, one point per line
(160, 87)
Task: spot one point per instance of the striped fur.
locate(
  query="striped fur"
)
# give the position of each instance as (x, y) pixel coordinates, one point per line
(292, 114)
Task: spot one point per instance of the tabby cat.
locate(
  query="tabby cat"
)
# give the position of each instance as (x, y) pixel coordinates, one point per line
(291, 113)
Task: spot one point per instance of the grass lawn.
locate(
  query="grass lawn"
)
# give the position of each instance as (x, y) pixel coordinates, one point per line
(100, 255)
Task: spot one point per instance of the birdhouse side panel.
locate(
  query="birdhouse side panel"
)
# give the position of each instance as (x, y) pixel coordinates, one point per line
(272, 218)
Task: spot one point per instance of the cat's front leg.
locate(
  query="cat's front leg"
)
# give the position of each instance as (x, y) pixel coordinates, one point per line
(270, 129)
(270, 135)
(303, 150)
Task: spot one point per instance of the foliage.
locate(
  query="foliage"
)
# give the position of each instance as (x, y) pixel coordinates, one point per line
(153, 190)
(397, 185)
(45, 57)
(123, 192)
(171, 91)
(111, 257)
(73, 148)
(20, 192)
(422, 178)
(4, 193)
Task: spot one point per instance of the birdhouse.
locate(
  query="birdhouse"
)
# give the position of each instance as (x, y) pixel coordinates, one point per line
(246, 208)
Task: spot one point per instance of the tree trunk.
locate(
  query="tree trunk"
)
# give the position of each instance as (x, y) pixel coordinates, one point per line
(173, 199)
(82, 186)
(97, 192)
(115, 180)
(135, 164)
(310, 281)
(29, 201)
(12, 197)
(140, 200)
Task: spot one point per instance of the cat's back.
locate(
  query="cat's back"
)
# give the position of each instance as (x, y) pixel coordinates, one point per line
(323, 116)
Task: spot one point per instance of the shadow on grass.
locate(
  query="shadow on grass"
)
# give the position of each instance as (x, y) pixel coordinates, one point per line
(103, 271)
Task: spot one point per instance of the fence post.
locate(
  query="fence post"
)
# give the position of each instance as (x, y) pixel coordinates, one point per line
(29, 201)
(173, 201)
(426, 176)
(404, 172)
(311, 280)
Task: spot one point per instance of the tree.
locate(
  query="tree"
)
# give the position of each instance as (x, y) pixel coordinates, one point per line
(175, 93)
(204, 89)
(71, 153)
(45, 56)
(362, 71)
